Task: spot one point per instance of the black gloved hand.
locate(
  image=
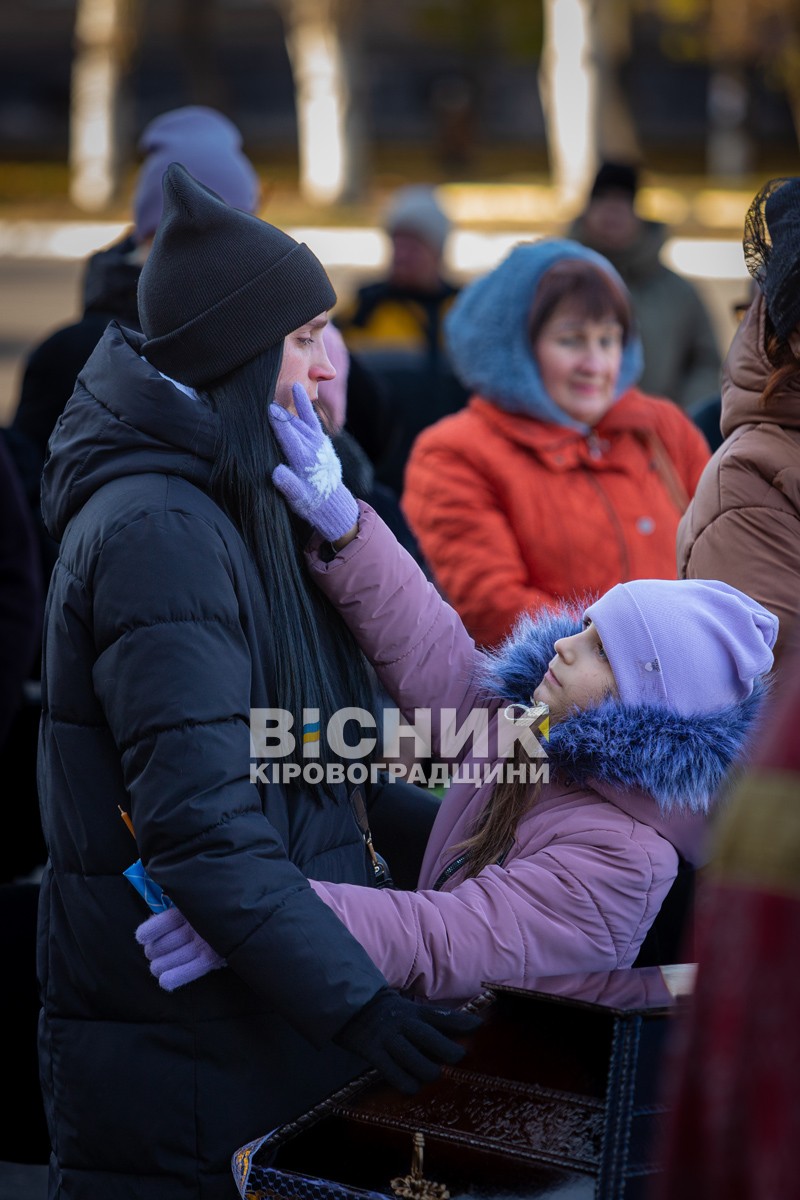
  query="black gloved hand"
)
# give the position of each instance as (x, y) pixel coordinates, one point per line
(404, 1041)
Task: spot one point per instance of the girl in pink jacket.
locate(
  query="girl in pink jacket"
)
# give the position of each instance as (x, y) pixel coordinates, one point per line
(651, 692)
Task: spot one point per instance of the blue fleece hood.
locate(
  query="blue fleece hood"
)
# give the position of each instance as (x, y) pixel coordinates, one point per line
(680, 761)
(487, 332)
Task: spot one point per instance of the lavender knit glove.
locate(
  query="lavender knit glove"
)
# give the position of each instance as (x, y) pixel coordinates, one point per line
(312, 482)
(177, 954)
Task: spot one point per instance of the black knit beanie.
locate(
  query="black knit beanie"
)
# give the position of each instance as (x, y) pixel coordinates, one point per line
(220, 286)
(615, 177)
(772, 250)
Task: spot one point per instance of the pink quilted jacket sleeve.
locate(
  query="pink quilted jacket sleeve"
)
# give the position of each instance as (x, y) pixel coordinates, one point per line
(421, 651)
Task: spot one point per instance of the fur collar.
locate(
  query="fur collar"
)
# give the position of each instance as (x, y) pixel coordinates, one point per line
(679, 761)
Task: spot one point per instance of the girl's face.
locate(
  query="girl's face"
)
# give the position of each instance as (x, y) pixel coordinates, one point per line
(579, 360)
(579, 676)
(305, 361)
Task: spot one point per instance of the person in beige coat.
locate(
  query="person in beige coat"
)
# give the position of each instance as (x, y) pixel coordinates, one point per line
(743, 525)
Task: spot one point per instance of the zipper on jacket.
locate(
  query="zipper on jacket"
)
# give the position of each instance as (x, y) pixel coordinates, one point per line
(459, 862)
(616, 525)
(596, 445)
(449, 870)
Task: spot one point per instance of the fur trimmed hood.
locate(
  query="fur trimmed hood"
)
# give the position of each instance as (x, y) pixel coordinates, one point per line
(679, 761)
(487, 332)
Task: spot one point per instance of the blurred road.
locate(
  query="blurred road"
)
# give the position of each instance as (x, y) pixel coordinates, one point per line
(35, 296)
(40, 279)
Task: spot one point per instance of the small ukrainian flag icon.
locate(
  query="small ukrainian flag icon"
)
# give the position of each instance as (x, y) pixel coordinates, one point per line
(311, 739)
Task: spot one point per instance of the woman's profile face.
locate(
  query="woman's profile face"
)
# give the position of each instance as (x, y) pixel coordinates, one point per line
(305, 361)
(579, 360)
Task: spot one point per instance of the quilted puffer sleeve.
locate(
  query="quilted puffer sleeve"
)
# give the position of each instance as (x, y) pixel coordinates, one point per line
(583, 902)
(423, 655)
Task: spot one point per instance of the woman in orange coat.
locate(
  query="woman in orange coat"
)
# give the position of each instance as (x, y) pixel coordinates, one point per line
(559, 478)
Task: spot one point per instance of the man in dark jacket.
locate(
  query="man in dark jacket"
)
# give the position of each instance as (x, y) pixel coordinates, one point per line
(681, 355)
(395, 328)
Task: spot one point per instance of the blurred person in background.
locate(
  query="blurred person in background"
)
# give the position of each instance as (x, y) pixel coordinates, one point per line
(707, 414)
(394, 326)
(743, 525)
(404, 310)
(333, 397)
(356, 403)
(23, 1137)
(681, 355)
(560, 477)
(210, 147)
(20, 606)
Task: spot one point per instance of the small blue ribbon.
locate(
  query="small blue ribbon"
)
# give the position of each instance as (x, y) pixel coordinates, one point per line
(156, 899)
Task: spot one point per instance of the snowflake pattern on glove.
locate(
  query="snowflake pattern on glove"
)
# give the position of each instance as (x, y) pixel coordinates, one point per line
(325, 474)
(311, 477)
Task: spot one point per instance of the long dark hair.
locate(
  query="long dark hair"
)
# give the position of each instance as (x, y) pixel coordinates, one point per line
(316, 661)
(496, 827)
(785, 366)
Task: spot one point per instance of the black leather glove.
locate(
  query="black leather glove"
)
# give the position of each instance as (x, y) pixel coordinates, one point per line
(404, 1041)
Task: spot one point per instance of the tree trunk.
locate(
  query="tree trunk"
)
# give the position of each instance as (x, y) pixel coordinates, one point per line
(729, 146)
(617, 139)
(568, 84)
(323, 51)
(197, 46)
(793, 98)
(103, 43)
(782, 47)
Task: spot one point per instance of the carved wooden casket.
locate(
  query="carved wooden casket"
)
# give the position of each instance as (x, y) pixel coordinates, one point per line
(557, 1096)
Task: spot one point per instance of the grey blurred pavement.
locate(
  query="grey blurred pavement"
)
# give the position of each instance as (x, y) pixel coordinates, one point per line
(35, 297)
(40, 283)
(40, 293)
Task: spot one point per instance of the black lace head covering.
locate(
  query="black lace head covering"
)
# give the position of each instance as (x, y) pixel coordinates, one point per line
(772, 250)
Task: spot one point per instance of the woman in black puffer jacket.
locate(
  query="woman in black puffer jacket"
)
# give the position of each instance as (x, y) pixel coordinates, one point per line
(178, 605)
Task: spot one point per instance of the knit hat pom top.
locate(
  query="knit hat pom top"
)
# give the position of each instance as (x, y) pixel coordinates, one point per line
(220, 286)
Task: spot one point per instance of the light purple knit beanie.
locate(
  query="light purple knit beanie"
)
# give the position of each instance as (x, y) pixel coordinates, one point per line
(209, 146)
(691, 645)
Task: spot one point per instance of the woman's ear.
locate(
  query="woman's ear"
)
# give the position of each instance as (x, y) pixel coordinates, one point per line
(794, 342)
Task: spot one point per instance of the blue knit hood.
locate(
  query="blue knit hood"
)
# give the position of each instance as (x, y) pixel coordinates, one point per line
(487, 332)
(679, 761)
